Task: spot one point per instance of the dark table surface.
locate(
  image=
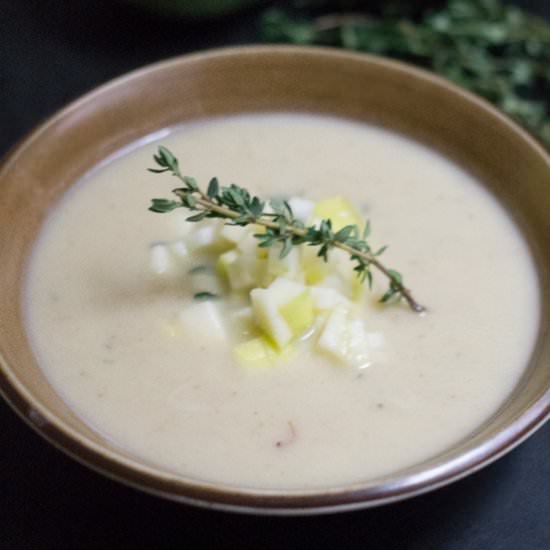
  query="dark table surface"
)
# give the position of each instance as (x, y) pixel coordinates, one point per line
(52, 51)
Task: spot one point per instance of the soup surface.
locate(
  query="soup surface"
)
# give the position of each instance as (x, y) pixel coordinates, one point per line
(104, 328)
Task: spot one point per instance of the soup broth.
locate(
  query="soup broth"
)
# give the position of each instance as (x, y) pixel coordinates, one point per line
(105, 328)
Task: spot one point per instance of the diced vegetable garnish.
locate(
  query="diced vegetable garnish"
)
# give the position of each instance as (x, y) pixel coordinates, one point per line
(249, 244)
(325, 298)
(238, 268)
(242, 322)
(301, 208)
(344, 338)
(340, 211)
(159, 258)
(315, 269)
(232, 233)
(272, 301)
(166, 256)
(298, 313)
(179, 250)
(283, 311)
(268, 318)
(206, 237)
(202, 322)
(259, 352)
(289, 266)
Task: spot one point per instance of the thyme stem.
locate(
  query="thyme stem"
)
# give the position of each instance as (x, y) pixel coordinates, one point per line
(236, 204)
(209, 205)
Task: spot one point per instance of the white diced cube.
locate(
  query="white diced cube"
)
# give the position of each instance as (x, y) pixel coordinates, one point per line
(268, 318)
(179, 250)
(301, 208)
(232, 233)
(159, 258)
(345, 339)
(289, 266)
(202, 322)
(327, 298)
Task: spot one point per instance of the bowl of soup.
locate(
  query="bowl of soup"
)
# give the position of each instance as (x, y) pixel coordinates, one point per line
(181, 358)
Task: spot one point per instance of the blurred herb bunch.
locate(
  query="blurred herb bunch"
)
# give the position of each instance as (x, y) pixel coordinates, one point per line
(495, 50)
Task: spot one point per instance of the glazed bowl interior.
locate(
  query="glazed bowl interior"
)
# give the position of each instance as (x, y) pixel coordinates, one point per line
(258, 79)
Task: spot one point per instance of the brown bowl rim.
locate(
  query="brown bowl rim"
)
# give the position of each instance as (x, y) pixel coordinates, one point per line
(218, 496)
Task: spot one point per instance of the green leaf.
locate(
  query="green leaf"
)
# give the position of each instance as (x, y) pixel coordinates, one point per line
(277, 206)
(369, 278)
(190, 201)
(201, 296)
(366, 230)
(389, 295)
(287, 247)
(197, 217)
(396, 276)
(167, 159)
(343, 234)
(191, 183)
(163, 205)
(213, 188)
(158, 170)
(256, 207)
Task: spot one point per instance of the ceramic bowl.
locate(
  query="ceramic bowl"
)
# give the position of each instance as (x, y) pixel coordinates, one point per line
(385, 93)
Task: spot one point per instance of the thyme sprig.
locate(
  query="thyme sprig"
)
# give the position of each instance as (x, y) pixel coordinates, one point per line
(236, 204)
(496, 50)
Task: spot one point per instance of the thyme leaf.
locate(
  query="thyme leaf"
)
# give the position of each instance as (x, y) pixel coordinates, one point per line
(205, 295)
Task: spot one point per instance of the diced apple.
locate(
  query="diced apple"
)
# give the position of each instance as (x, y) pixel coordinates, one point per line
(339, 210)
(344, 338)
(203, 237)
(325, 298)
(299, 313)
(284, 290)
(165, 256)
(202, 322)
(283, 311)
(343, 277)
(237, 268)
(159, 258)
(179, 250)
(206, 237)
(289, 266)
(242, 322)
(243, 314)
(232, 233)
(248, 244)
(301, 208)
(315, 269)
(259, 352)
(268, 318)
(335, 282)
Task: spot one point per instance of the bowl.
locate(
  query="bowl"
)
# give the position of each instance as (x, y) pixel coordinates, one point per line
(251, 79)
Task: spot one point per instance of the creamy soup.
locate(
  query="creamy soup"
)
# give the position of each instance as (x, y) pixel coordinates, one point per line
(106, 329)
